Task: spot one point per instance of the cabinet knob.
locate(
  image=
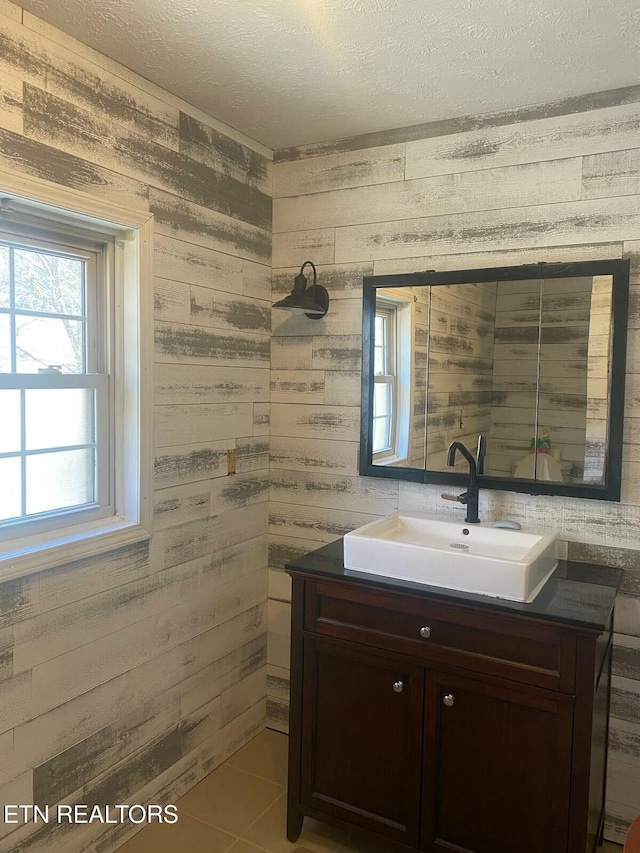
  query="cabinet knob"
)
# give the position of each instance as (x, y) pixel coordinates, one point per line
(448, 700)
(425, 633)
(398, 686)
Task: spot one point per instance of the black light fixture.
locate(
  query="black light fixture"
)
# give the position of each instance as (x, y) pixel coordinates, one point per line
(313, 301)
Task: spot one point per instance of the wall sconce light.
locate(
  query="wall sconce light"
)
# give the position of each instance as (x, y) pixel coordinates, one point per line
(313, 301)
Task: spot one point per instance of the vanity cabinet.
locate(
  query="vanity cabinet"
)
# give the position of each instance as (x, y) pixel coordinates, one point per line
(445, 726)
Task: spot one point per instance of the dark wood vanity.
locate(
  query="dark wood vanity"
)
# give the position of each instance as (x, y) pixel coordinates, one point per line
(447, 721)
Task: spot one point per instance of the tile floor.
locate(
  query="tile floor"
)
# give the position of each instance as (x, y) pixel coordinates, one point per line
(240, 808)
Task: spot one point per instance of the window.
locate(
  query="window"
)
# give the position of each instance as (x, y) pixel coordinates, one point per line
(385, 385)
(55, 433)
(75, 383)
(393, 366)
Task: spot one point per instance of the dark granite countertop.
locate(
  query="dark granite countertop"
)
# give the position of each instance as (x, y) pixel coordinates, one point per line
(578, 594)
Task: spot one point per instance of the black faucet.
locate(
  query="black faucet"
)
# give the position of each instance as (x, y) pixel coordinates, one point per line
(470, 497)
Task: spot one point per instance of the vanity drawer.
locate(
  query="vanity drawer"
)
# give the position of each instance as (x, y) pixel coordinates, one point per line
(513, 647)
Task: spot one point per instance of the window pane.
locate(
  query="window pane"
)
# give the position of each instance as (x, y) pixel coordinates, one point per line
(4, 277)
(381, 399)
(5, 344)
(381, 434)
(11, 492)
(48, 283)
(44, 344)
(60, 480)
(9, 422)
(58, 417)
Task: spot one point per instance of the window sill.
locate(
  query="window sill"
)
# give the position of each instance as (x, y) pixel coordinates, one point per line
(390, 460)
(46, 551)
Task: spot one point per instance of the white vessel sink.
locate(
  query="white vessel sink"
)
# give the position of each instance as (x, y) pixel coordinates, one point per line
(478, 558)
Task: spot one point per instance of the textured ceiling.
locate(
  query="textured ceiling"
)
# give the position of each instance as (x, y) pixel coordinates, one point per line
(289, 72)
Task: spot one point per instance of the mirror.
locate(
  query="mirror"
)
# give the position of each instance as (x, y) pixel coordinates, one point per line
(530, 358)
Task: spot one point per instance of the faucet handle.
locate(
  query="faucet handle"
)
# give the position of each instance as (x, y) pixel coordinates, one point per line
(455, 498)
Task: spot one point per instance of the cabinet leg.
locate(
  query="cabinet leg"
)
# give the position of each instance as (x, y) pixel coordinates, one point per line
(294, 825)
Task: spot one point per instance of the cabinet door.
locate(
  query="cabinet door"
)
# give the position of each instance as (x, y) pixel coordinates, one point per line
(362, 738)
(497, 768)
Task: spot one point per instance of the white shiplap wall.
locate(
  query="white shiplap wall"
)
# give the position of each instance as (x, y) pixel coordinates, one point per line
(128, 678)
(557, 188)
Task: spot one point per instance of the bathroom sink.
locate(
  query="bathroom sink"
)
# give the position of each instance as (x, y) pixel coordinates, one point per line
(478, 558)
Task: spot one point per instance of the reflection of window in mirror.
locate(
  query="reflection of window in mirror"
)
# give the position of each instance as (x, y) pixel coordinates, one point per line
(385, 383)
(393, 348)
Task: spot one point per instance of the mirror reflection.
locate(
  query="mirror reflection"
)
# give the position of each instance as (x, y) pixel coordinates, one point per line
(525, 363)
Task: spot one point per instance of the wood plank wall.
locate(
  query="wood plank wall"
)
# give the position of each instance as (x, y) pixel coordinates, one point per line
(128, 678)
(555, 183)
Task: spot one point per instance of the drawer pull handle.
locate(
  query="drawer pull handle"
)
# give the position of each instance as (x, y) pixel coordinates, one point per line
(448, 700)
(425, 633)
(398, 686)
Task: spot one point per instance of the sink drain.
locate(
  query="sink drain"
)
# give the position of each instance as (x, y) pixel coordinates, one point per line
(458, 546)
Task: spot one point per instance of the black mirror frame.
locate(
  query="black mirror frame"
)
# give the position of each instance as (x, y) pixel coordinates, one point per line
(619, 269)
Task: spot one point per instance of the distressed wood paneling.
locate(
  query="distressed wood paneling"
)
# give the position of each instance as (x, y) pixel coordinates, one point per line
(345, 320)
(171, 301)
(239, 490)
(46, 162)
(182, 343)
(300, 521)
(342, 387)
(10, 103)
(297, 386)
(177, 425)
(17, 701)
(541, 225)
(283, 549)
(593, 132)
(312, 454)
(96, 90)
(136, 673)
(447, 127)
(278, 698)
(218, 310)
(278, 642)
(182, 384)
(6, 652)
(341, 281)
(610, 174)
(341, 423)
(290, 250)
(72, 674)
(10, 10)
(334, 491)
(179, 504)
(59, 631)
(499, 258)
(489, 189)
(335, 171)
(205, 144)
(183, 220)
(81, 132)
(252, 453)
(336, 352)
(291, 353)
(184, 262)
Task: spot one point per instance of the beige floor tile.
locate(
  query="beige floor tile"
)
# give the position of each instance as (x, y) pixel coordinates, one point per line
(269, 833)
(243, 847)
(357, 842)
(265, 756)
(229, 799)
(185, 835)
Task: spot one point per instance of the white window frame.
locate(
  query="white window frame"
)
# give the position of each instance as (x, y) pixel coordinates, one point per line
(131, 513)
(400, 307)
(388, 377)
